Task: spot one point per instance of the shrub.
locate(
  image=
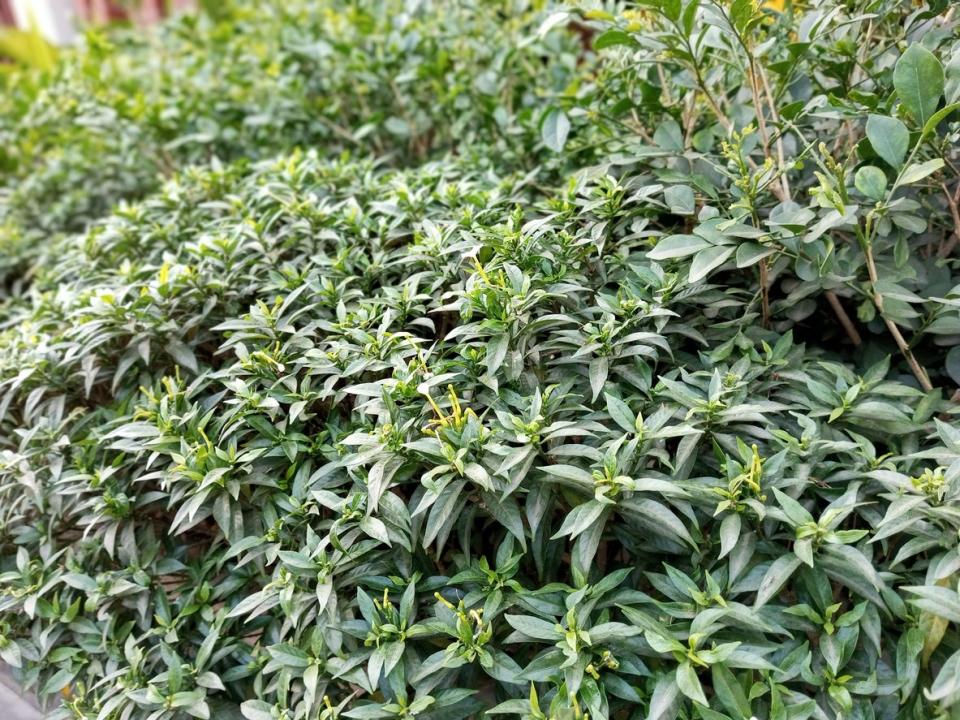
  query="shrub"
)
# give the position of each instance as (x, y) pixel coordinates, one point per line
(646, 419)
(129, 110)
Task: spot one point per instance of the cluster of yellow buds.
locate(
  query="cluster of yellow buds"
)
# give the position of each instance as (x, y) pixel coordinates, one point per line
(931, 483)
(499, 279)
(750, 479)
(607, 660)
(755, 473)
(456, 419)
(637, 19)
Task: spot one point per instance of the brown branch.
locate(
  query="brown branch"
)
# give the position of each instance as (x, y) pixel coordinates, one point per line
(775, 116)
(845, 322)
(689, 118)
(946, 248)
(664, 86)
(765, 292)
(844, 319)
(918, 371)
(758, 108)
(722, 117)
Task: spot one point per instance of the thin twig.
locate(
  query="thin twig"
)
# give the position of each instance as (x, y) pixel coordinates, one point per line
(775, 116)
(844, 319)
(918, 371)
(764, 292)
(758, 106)
(845, 322)
(689, 117)
(946, 248)
(664, 86)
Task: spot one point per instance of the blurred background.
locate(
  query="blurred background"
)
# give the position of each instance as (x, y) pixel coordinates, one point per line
(58, 21)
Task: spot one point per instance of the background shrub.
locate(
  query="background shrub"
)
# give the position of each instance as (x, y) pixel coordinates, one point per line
(618, 384)
(386, 79)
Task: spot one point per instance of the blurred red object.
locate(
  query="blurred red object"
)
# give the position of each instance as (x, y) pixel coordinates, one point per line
(64, 13)
(6, 13)
(142, 13)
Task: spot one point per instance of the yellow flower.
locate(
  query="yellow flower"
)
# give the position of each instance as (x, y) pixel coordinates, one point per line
(636, 19)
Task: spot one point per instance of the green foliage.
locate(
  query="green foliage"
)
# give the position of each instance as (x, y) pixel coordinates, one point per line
(128, 111)
(441, 360)
(25, 47)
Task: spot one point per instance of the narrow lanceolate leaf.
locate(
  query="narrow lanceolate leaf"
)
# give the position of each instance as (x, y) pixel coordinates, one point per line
(729, 533)
(938, 117)
(659, 518)
(664, 698)
(554, 129)
(775, 578)
(947, 682)
(452, 359)
(620, 413)
(581, 518)
(689, 683)
(940, 601)
(183, 354)
(729, 691)
(534, 627)
(570, 472)
(497, 351)
(289, 656)
(598, 371)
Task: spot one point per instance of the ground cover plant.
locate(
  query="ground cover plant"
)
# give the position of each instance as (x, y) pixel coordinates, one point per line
(622, 387)
(251, 80)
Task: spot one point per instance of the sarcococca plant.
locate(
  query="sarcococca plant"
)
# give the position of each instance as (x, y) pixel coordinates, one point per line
(450, 360)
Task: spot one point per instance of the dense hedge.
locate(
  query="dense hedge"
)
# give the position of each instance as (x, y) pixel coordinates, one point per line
(622, 387)
(258, 78)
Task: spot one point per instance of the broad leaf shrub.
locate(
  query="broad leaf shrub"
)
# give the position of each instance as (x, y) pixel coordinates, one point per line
(651, 418)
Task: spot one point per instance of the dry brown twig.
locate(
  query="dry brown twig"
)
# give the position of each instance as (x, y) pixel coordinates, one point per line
(832, 298)
(918, 370)
(946, 248)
